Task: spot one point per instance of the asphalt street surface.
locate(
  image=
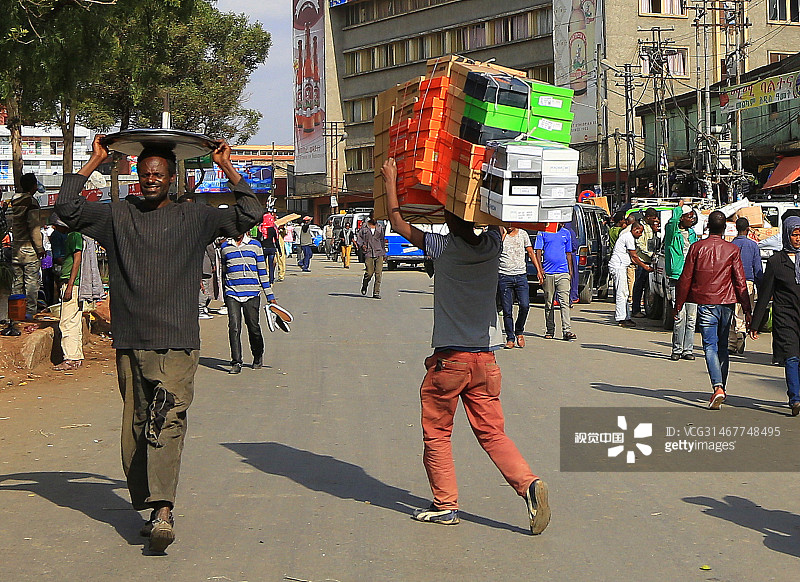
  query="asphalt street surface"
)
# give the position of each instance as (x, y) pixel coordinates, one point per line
(309, 469)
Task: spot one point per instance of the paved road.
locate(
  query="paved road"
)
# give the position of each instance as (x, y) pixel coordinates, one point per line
(309, 468)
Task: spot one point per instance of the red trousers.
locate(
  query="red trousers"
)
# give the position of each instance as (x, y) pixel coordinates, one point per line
(475, 377)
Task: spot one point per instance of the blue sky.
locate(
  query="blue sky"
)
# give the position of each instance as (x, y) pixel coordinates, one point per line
(270, 90)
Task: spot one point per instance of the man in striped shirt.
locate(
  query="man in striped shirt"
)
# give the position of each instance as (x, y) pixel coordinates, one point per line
(245, 276)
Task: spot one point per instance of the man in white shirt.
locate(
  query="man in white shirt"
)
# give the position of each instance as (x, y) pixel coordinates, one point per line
(624, 254)
(513, 282)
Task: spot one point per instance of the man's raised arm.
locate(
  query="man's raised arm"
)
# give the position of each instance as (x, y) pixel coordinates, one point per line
(247, 212)
(90, 218)
(414, 235)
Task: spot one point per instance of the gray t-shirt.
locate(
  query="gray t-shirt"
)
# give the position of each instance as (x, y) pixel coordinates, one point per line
(512, 259)
(465, 314)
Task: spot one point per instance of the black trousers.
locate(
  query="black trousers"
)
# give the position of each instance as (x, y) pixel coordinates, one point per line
(250, 310)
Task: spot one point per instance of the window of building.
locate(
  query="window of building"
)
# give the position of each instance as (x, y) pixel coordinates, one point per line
(359, 110)
(56, 146)
(663, 7)
(360, 159)
(783, 10)
(776, 57)
(5, 145)
(377, 9)
(529, 24)
(675, 63)
(544, 73)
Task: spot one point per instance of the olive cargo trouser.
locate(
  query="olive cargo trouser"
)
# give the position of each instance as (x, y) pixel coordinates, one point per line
(157, 387)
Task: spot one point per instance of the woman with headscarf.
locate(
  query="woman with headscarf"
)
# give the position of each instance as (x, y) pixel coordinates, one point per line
(781, 284)
(270, 242)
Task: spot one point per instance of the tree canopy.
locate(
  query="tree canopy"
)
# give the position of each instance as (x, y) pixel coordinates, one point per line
(108, 64)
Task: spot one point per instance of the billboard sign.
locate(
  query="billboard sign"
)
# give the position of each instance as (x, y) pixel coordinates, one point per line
(764, 92)
(309, 86)
(215, 182)
(577, 31)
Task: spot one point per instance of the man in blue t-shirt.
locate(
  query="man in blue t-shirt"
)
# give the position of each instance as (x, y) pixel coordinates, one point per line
(553, 253)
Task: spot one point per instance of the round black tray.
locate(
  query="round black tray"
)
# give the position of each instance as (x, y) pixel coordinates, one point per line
(184, 144)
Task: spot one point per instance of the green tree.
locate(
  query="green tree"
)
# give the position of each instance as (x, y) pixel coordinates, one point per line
(215, 54)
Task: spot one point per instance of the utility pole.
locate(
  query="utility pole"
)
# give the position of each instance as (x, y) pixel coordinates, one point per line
(656, 53)
(628, 76)
(600, 118)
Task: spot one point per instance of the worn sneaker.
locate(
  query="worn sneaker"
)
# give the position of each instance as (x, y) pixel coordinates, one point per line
(162, 534)
(717, 398)
(795, 408)
(203, 315)
(223, 310)
(148, 525)
(538, 506)
(434, 515)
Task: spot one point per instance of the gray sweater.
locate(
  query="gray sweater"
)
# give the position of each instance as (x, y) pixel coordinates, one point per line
(155, 259)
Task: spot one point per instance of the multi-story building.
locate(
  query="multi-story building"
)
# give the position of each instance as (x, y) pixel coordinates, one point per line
(42, 154)
(372, 45)
(771, 33)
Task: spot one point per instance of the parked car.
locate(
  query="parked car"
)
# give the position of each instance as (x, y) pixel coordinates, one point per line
(400, 250)
(594, 251)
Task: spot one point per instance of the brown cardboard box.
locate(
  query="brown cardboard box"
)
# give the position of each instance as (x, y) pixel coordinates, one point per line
(759, 234)
(460, 65)
(753, 214)
(600, 201)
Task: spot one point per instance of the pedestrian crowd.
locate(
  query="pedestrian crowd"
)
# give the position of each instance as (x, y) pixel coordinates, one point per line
(236, 254)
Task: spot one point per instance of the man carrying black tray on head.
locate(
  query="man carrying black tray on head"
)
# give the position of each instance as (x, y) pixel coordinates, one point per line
(155, 253)
(466, 331)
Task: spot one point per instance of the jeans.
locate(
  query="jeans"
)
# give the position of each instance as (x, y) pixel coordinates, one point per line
(476, 379)
(622, 311)
(250, 310)
(715, 323)
(157, 387)
(305, 260)
(511, 286)
(683, 331)
(556, 285)
(792, 370)
(373, 266)
(640, 282)
(270, 256)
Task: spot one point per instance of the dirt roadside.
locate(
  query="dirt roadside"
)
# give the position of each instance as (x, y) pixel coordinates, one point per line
(98, 363)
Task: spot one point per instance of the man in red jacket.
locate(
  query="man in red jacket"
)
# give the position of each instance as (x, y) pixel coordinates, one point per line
(713, 278)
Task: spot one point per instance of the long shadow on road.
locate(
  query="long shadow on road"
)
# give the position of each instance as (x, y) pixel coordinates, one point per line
(689, 398)
(626, 350)
(781, 528)
(93, 495)
(339, 478)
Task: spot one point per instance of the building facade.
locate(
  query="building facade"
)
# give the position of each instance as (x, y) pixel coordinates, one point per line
(771, 33)
(373, 45)
(42, 154)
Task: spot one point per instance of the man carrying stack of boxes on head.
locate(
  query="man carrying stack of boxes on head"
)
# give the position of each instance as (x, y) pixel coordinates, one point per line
(471, 144)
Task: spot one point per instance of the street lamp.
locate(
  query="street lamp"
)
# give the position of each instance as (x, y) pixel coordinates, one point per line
(336, 134)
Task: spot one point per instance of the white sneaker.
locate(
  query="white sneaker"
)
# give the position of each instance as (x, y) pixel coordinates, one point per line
(222, 310)
(204, 315)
